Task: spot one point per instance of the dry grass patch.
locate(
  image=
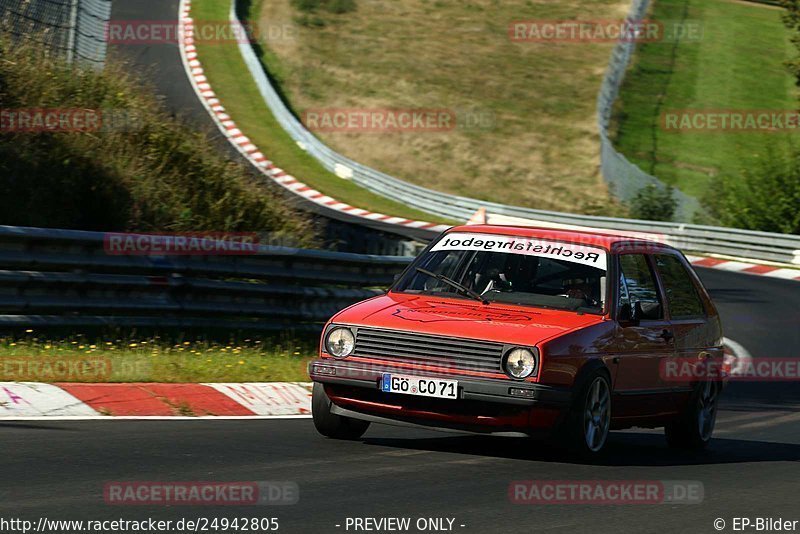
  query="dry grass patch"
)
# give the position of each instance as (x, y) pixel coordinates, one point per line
(542, 149)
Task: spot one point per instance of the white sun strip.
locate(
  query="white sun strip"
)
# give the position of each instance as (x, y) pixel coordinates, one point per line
(733, 266)
(572, 252)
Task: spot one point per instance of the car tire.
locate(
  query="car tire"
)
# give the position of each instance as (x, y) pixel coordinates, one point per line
(588, 422)
(693, 428)
(329, 424)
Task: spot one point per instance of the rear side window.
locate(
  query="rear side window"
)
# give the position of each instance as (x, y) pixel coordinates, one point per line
(637, 284)
(681, 293)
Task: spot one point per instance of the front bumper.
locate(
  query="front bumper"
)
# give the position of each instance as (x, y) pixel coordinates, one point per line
(483, 405)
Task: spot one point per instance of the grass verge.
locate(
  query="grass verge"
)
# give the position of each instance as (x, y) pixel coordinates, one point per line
(736, 64)
(122, 163)
(154, 360)
(228, 75)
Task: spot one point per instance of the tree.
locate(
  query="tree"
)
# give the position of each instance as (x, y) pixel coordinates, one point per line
(791, 19)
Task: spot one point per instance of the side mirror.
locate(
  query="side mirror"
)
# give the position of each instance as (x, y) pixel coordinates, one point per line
(649, 310)
(630, 314)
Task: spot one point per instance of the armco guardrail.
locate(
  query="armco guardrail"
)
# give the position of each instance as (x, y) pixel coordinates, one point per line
(64, 277)
(76, 28)
(623, 177)
(746, 244)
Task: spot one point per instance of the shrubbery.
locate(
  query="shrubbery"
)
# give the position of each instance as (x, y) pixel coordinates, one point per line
(653, 203)
(154, 174)
(310, 9)
(333, 6)
(765, 198)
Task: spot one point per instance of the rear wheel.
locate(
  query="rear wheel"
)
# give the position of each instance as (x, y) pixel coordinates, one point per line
(589, 420)
(332, 425)
(694, 427)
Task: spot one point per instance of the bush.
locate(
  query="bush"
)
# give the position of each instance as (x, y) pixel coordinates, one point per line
(654, 203)
(332, 6)
(341, 6)
(310, 21)
(307, 6)
(153, 174)
(765, 198)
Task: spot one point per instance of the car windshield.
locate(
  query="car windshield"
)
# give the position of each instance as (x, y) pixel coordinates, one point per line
(513, 270)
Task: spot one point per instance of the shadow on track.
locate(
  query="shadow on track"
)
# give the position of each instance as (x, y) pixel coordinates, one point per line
(32, 426)
(623, 449)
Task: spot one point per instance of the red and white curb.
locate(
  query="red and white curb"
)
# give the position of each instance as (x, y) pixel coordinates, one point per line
(34, 400)
(242, 143)
(745, 267)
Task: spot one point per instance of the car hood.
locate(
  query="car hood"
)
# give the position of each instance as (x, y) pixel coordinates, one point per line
(464, 318)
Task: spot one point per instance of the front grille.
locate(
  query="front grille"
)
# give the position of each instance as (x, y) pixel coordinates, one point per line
(424, 349)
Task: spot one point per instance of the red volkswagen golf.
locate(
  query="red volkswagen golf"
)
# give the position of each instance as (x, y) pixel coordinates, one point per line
(528, 331)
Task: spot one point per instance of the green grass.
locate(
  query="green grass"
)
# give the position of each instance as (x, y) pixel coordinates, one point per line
(738, 64)
(231, 81)
(154, 360)
(148, 172)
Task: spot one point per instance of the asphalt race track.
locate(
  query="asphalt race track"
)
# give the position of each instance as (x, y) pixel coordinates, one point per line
(763, 314)
(58, 470)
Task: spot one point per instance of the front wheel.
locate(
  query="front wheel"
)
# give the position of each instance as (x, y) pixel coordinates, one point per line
(329, 424)
(589, 420)
(694, 427)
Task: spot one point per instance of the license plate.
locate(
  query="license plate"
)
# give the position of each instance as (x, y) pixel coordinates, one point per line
(420, 385)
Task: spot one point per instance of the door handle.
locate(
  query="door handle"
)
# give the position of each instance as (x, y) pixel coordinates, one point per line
(667, 335)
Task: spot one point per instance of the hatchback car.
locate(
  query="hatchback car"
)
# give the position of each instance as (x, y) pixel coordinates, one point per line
(539, 332)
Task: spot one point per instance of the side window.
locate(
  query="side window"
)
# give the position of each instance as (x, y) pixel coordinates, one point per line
(681, 294)
(637, 284)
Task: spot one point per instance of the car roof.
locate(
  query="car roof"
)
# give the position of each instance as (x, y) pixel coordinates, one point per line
(607, 240)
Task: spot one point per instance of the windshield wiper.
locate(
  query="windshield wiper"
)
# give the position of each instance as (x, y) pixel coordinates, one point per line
(452, 283)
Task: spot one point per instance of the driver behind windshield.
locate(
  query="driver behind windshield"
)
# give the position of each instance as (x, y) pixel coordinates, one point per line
(511, 278)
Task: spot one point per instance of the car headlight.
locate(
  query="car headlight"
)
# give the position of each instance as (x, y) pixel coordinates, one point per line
(340, 342)
(519, 363)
